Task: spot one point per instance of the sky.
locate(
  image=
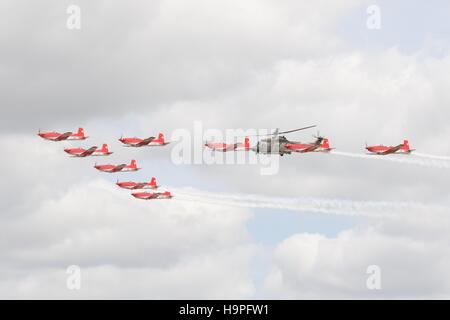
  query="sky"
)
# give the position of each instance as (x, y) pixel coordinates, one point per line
(310, 230)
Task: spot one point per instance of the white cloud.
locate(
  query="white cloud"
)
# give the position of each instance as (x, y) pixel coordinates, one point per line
(161, 52)
(219, 275)
(108, 233)
(314, 266)
(142, 67)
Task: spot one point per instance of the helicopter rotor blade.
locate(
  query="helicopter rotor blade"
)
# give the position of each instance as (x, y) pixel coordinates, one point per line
(304, 128)
(277, 132)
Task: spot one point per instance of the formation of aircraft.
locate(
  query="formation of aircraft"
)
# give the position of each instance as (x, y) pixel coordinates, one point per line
(146, 142)
(273, 143)
(111, 168)
(276, 144)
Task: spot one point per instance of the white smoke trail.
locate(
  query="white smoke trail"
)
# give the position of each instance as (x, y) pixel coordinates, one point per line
(407, 159)
(374, 209)
(431, 156)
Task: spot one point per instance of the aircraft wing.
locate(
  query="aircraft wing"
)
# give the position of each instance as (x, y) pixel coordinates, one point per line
(222, 148)
(88, 152)
(144, 142)
(119, 167)
(230, 147)
(152, 196)
(308, 149)
(391, 150)
(64, 136)
(139, 186)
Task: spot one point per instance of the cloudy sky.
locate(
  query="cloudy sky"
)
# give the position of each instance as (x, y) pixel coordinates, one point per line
(309, 231)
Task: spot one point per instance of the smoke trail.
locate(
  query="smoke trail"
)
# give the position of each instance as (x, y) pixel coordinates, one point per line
(374, 209)
(431, 156)
(407, 159)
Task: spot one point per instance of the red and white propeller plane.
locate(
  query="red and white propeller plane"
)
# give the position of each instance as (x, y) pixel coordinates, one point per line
(147, 142)
(384, 150)
(152, 195)
(224, 147)
(56, 136)
(138, 185)
(118, 168)
(93, 151)
(320, 145)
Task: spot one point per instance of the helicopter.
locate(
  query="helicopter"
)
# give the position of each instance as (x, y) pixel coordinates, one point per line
(277, 143)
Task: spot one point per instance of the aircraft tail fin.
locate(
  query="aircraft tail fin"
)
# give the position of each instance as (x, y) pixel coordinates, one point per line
(161, 137)
(246, 143)
(325, 144)
(406, 145)
(153, 181)
(133, 164)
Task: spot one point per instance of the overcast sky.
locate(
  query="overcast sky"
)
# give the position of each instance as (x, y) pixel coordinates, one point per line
(136, 68)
